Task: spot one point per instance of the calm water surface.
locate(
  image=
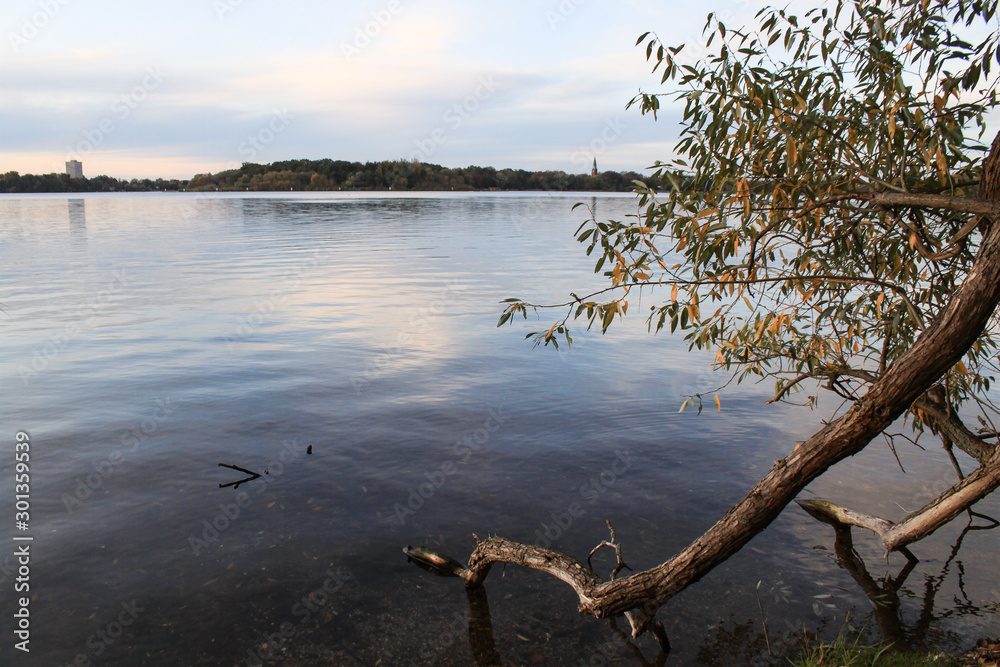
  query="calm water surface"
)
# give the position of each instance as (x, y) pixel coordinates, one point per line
(149, 338)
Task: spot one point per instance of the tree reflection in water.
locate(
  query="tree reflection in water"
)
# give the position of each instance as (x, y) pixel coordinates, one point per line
(884, 592)
(743, 641)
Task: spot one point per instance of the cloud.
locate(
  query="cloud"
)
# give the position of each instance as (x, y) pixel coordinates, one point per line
(400, 79)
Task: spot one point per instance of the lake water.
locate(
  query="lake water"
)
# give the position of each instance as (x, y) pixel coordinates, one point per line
(149, 338)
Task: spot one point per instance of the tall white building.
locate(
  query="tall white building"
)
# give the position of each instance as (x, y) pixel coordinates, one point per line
(74, 168)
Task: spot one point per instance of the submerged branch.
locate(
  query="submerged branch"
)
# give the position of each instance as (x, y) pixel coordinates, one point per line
(919, 524)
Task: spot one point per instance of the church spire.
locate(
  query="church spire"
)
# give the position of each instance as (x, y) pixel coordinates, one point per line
(593, 172)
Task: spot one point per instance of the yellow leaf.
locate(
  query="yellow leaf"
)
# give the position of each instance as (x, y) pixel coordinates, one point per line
(892, 121)
(778, 322)
(718, 403)
(673, 294)
(792, 152)
(760, 328)
(942, 162)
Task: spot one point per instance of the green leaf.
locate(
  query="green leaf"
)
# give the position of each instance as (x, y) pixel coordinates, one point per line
(779, 140)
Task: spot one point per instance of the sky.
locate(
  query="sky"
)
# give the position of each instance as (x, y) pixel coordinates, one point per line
(145, 90)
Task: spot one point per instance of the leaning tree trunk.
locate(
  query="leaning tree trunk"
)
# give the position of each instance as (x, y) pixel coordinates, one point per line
(937, 349)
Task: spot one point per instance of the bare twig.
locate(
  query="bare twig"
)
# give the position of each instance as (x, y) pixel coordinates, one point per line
(618, 553)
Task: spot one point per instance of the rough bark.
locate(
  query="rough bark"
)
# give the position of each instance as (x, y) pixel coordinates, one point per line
(939, 347)
(989, 184)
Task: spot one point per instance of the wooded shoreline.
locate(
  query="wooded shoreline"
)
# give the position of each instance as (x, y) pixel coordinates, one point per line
(334, 175)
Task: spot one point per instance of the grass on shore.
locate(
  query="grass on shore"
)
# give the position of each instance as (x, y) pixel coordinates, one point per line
(843, 654)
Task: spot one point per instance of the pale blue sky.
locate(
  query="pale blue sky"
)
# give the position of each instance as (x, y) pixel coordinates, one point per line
(172, 89)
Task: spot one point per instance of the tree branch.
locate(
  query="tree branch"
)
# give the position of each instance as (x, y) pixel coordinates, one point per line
(973, 205)
(950, 425)
(921, 523)
(947, 506)
(937, 348)
(500, 550)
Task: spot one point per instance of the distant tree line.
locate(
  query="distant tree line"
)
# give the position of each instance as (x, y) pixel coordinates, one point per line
(403, 175)
(338, 175)
(12, 181)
